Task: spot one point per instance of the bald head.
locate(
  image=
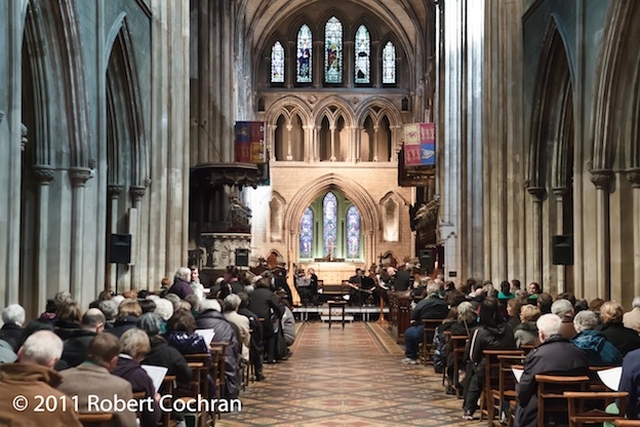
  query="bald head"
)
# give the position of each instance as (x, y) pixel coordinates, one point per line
(93, 320)
(391, 271)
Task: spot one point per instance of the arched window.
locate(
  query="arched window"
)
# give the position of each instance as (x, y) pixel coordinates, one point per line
(389, 64)
(305, 47)
(306, 234)
(333, 51)
(353, 232)
(363, 58)
(277, 63)
(329, 223)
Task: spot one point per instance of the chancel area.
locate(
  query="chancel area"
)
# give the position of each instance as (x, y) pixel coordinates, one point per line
(438, 190)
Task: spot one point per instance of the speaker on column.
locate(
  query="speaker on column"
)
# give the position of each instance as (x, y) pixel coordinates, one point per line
(120, 249)
(426, 260)
(242, 257)
(562, 249)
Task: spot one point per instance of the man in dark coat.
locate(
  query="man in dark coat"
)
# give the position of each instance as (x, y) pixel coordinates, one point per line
(545, 360)
(402, 279)
(181, 283)
(13, 317)
(256, 349)
(264, 304)
(75, 348)
(431, 307)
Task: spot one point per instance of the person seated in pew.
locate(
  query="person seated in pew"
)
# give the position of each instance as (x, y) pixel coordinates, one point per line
(526, 332)
(464, 324)
(545, 360)
(431, 307)
(630, 382)
(623, 338)
(361, 288)
(564, 309)
(492, 334)
(599, 350)
(93, 378)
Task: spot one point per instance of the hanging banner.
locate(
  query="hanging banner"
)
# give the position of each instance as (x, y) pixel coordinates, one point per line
(420, 144)
(249, 142)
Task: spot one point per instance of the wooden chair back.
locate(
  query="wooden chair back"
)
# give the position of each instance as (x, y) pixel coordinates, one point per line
(456, 347)
(166, 388)
(428, 333)
(492, 376)
(626, 423)
(102, 419)
(506, 391)
(578, 402)
(551, 388)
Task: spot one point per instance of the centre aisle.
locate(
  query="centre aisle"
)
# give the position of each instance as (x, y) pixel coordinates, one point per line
(346, 377)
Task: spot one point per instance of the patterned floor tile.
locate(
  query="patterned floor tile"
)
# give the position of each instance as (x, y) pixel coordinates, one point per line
(349, 377)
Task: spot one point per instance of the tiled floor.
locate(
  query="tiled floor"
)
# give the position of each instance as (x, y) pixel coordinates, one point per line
(346, 377)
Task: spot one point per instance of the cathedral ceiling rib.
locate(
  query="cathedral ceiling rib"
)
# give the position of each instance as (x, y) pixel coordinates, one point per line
(404, 16)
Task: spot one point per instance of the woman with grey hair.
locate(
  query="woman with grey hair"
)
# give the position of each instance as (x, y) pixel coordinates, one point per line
(465, 324)
(161, 354)
(599, 350)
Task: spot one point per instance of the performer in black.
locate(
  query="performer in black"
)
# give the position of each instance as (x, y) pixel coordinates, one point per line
(361, 288)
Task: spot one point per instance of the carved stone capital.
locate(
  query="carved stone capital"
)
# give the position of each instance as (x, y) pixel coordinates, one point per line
(538, 193)
(633, 176)
(602, 178)
(114, 190)
(137, 192)
(560, 193)
(43, 173)
(79, 176)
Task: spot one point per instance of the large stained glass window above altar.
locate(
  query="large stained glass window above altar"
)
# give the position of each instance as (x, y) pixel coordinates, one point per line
(306, 234)
(353, 233)
(333, 51)
(329, 226)
(305, 46)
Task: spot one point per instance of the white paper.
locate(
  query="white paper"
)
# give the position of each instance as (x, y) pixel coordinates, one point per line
(611, 377)
(157, 374)
(517, 373)
(207, 334)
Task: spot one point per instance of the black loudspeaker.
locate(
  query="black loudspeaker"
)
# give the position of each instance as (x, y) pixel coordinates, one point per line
(562, 249)
(426, 260)
(242, 257)
(120, 249)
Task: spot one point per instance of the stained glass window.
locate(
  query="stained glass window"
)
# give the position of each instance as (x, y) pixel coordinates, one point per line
(306, 234)
(389, 64)
(353, 232)
(363, 59)
(329, 223)
(277, 63)
(305, 46)
(333, 51)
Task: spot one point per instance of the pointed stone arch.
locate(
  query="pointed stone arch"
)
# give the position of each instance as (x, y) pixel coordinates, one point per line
(333, 106)
(370, 219)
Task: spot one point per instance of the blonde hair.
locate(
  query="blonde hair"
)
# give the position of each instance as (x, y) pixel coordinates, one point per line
(611, 312)
(529, 313)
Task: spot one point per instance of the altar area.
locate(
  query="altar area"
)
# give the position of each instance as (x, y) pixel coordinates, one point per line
(333, 272)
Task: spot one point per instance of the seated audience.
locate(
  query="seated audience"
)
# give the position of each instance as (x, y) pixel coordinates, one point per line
(515, 285)
(128, 313)
(162, 354)
(7, 355)
(631, 319)
(569, 297)
(75, 348)
(181, 334)
(513, 312)
(526, 332)
(431, 307)
(564, 309)
(491, 334)
(256, 349)
(264, 304)
(147, 305)
(210, 317)
(181, 286)
(33, 376)
(595, 304)
(544, 302)
(93, 377)
(465, 324)
(555, 355)
(231, 306)
(534, 290)
(614, 331)
(630, 382)
(135, 346)
(600, 352)
(196, 286)
(164, 308)
(110, 310)
(13, 317)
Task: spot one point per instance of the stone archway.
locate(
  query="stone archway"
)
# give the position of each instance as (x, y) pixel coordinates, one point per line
(353, 191)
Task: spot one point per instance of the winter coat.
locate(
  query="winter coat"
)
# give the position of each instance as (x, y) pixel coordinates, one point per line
(525, 333)
(600, 352)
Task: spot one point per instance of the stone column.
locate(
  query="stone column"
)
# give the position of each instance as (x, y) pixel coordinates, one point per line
(78, 176)
(271, 129)
(308, 154)
(602, 179)
(114, 192)
(137, 192)
(633, 175)
(559, 195)
(375, 143)
(333, 143)
(539, 194)
(318, 62)
(289, 129)
(395, 143)
(44, 175)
